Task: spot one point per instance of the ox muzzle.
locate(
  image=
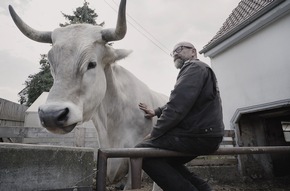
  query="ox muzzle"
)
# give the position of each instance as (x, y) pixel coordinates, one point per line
(59, 118)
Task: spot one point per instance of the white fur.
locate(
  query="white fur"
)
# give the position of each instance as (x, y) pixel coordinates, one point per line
(107, 94)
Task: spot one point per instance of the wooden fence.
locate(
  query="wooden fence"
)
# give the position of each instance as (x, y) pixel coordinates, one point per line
(11, 114)
(87, 137)
(79, 137)
(12, 117)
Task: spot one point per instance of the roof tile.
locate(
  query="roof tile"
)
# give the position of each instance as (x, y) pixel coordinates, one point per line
(244, 10)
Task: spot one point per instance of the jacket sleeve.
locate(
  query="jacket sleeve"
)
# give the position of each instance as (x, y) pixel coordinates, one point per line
(158, 111)
(188, 86)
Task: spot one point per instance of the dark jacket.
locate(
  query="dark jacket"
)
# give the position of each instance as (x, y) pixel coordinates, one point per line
(194, 108)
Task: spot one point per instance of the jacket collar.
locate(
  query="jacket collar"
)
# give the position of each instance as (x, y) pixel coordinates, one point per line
(189, 61)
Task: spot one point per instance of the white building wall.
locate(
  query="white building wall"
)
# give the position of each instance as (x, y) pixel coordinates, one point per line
(256, 70)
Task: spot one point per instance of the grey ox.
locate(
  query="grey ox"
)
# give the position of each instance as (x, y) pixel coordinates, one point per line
(88, 84)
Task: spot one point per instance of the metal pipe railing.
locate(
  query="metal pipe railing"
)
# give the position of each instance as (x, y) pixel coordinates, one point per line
(136, 155)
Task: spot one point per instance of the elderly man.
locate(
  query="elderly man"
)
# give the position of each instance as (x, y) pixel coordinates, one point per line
(190, 122)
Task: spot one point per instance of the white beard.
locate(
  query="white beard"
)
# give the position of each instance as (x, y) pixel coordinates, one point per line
(178, 63)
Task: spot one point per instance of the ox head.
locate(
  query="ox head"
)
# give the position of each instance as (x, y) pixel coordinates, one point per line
(78, 59)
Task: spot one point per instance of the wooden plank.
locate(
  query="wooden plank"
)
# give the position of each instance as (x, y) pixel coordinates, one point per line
(47, 140)
(228, 138)
(229, 133)
(90, 135)
(91, 139)
(66, 144)
(11, 123)
(89, 130)
(40, 136)
(227, 142)
(213, 157)
(11, 132)
(11, 111)
(226, 146)
(47, 134)
(80, 137)
(213, 162)
(92, 144)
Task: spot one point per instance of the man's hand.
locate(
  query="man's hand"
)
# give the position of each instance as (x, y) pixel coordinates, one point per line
(149, 113)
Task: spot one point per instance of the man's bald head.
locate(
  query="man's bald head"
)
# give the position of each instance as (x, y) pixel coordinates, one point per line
(185, 44)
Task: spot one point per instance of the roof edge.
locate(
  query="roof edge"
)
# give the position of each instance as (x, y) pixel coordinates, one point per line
(242, 25)
(257, 108)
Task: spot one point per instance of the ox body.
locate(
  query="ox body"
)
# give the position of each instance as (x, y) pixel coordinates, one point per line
(89, 85)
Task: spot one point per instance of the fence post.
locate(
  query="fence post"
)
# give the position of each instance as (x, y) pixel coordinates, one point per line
(136, 170)
(101, 171)
(80, 133)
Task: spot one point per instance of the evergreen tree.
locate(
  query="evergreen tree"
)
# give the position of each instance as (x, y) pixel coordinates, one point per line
(82, 14)
(43, 81)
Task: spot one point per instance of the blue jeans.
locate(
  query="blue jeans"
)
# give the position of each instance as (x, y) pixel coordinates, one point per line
(170, 173)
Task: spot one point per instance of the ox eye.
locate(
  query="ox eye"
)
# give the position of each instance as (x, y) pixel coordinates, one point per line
(92, 65)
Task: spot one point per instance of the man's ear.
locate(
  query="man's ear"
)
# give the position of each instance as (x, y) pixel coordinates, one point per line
(194, 52)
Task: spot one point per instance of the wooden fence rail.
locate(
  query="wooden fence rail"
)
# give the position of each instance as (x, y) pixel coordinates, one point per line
(136, 155)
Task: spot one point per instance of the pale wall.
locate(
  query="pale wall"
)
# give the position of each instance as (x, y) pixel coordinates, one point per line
(255, 71)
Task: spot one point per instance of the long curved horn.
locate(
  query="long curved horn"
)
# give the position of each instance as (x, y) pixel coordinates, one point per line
(121, 28)
(39, 36)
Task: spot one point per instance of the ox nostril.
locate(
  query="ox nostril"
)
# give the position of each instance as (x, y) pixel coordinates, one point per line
(54, 117)
(63, 115)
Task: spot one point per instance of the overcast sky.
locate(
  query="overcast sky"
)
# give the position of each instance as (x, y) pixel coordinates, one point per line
(154, 27)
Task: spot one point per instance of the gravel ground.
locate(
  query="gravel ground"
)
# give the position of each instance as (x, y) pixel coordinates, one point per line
(282, 184)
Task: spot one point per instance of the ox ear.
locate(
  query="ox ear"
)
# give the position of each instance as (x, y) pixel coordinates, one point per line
(115, 54)
(121, 53)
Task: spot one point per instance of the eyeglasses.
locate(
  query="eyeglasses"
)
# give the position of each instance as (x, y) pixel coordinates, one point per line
(179, 49)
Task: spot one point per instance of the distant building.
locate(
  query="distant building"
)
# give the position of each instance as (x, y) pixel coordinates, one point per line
(250, 55)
